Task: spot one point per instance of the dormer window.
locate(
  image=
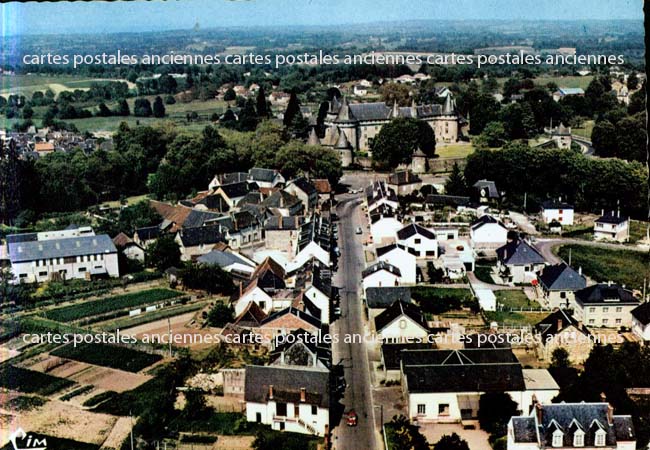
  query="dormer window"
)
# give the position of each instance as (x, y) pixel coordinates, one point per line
(579, 439)
(557, 438)
(600, 438)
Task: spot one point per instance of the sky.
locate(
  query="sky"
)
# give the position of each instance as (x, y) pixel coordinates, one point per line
(100, 16)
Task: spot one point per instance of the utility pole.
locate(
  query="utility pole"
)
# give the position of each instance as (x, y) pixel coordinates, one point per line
(131, 418)
(525, 198)
(569, 256)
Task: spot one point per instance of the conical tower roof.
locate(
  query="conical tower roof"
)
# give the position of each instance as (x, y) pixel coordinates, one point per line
(395, 112)
(342, 143)
(345, 115)
(449, 106)
(418, 152)
(313, 138)
(334, 105)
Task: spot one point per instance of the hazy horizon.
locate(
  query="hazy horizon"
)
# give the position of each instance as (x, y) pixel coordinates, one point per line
(152, 16)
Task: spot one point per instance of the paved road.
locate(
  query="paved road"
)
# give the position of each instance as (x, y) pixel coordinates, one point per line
(354, 357)
(545, 247)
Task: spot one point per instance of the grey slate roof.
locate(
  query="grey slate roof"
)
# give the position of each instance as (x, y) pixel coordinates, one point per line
(467, 370)
(260, 174)
(392, 353)
(616, 220)
(281, 199)
(23, 237)
(413, 229)
(555, 204)
(399, 309)
(489, 185)
(60, 248)
(451, 200)
(236, 190)
(525, 430)
(383, 297)
(304, 185)
(198, 218)
(284, 223)
(191, 237)
(222, 259)
(403, 177)
(148, 233)
(484, 220)
(605, 294)
(557, 321)
(381, 265)
(642, 313)
(287, 382)
(519, 253)
(561, 277)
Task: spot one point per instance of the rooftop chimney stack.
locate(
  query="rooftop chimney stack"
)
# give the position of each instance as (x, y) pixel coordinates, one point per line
(270, 392)
(303, 395)
(539, 410)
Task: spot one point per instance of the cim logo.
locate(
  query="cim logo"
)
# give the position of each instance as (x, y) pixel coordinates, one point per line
(26, 441)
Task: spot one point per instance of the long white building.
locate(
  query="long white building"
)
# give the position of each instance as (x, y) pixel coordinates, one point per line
(64, 254)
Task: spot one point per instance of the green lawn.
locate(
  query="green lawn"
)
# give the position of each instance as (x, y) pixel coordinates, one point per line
(567, 82)
(515, 299)
(460, 150)
(31, 381)
(603, 264)
(515, 318)
(483, 273)
(585, 130)
(28, 84)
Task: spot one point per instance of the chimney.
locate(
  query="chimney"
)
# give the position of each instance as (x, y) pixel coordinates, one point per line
(270, 392)
(534, 403)
(241, 288)
(602, 212)
(315, 359)
(282, 358)
(580, 270)
(303, 395)
(539, 409)
(559, 324)
(603, 397)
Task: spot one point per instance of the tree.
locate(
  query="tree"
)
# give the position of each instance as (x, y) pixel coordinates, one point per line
(158, 107)
(494, 135)
(136, 216)
(632, 81)
(104, 111)
(395, 92)
(519, 121)
(405, 435)
(261, 104)
(451, 442)
(604, 138)
(248, 116)
(170, 100)
(456, 184)
(293, 109)
(207, 277)
(164, 253)
(560, 358)
(142, 108)
(122, 108)
(196, 407)
(220, 315)
(28, 112)
(632, 138)
(229, 95)
(398, 140)
(494, 411)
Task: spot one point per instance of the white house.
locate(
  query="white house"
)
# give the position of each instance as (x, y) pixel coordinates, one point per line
(128, 247)
(604, 305)
(400, 257)
(384, 224)
(265, 178)
(487, 234)
(304, 189)
(360, 90)
(445, 386)
(569, 426)
(519, 262)
(381, 274)
(557, 211)
(314, 242)
(378, 194)
(294, 399)
(558, 284)
(230, 262)
(38, 258)
(641, 321)
(319, 292)
(422, 241)
(401, 322)
(612, 228)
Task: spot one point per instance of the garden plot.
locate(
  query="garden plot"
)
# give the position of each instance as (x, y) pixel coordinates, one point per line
(180, 325)
(103, 378)
(63, 420)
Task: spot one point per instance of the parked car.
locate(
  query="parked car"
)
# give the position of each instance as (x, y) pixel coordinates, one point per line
(352, 419)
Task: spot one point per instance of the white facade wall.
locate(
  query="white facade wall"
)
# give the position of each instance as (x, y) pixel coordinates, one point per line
(564, 216)
(425, 248)
(266, 413)
(403, 329)
(612, 231)
(321, 301)
(76, 267)
(404, 261)
(312, 250)
(385, 228)
(488, 237)
(382, 278)
(643, 331)
(256, 295)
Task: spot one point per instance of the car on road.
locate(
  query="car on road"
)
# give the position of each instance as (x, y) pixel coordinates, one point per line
(351, 418)
(358, 230)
